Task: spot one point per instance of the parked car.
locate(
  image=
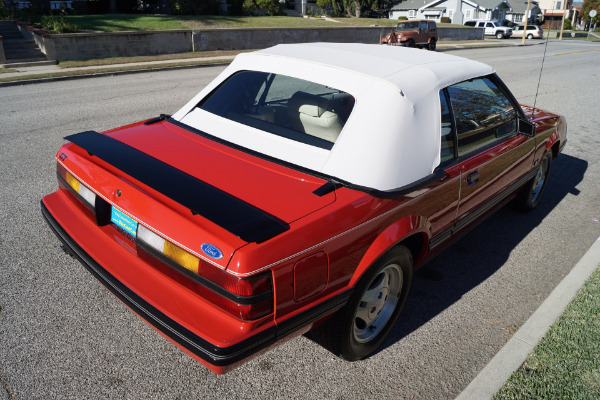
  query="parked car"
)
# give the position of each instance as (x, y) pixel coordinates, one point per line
(413, 33)
(533, 31)
(299, 190)
(492, 28)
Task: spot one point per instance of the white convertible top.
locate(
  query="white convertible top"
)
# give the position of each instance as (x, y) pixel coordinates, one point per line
(392, 137)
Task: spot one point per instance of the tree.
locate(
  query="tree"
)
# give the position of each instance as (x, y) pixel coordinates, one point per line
(352, 8)
(589, 5)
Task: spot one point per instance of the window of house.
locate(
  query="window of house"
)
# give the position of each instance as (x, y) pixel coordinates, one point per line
(469, 14)
(411, 13)
(483, 114)
(559, 5)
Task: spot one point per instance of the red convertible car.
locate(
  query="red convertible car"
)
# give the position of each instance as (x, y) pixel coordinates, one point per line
(300, 189)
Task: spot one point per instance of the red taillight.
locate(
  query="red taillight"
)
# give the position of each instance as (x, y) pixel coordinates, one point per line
(254, 310)
(245, 298)
(240, 287)
(250, 298)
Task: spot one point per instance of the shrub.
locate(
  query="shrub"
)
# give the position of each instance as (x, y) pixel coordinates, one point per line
(445, 20)
(567, 24)
(271, 7)
(402, 18)
(8, 9)
(249, 7)
(56, 24)
(193, 7)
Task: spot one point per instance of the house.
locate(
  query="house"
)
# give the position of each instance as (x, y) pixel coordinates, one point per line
(553, 11)
(460, 11)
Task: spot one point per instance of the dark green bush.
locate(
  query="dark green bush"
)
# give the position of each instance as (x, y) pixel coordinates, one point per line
(193, 7)
(445, 20)
(270, 7)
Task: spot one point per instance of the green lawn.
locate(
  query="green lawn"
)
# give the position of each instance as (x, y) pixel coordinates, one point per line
(566, 362)
(134, 22)
(124, 22)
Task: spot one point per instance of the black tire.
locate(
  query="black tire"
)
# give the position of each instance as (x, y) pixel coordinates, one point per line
(360, 327)
(499, 35)
(432, 45)
(529, 196)
(530, 36)
(409, 43)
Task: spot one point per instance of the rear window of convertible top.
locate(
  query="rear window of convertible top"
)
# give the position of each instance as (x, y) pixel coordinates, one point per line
(294, 108)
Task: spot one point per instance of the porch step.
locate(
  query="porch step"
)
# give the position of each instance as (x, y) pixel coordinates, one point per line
(17, 49)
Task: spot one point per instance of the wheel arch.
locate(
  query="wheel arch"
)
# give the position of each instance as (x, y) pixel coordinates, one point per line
(409, 231)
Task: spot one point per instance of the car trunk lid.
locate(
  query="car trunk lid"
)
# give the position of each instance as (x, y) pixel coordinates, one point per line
(233, 197)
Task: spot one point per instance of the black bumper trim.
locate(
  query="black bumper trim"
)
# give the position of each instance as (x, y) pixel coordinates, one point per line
(218, 356)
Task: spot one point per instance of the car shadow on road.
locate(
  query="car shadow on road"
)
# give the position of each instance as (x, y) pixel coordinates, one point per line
(479, 254)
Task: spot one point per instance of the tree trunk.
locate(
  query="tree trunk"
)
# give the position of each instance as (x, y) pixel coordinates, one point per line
(357, 8)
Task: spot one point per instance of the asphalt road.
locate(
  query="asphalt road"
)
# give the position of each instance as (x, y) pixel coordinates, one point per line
(63, 335)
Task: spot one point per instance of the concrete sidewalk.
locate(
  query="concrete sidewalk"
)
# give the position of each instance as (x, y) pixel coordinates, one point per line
(33, 74)
(514, 353)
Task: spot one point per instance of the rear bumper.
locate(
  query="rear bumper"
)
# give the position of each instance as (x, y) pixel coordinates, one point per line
(218, 359)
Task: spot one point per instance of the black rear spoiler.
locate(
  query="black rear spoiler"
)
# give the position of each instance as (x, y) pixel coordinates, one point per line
(242, 219)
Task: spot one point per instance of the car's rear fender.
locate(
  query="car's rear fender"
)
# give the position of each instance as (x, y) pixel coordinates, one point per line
(410, 230)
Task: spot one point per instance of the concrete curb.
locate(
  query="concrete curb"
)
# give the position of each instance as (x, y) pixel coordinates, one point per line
(514, 353)
(109, 73)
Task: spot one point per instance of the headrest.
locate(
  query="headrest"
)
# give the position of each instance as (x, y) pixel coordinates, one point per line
(308, 104)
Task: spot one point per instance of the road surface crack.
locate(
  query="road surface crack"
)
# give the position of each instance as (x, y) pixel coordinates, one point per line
(6, 386)
(3, 381)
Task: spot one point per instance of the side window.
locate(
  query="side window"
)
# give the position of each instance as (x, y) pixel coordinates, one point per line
(431, 26)
(447, 135)
(482, 114)
(423, 25)
(489, 25)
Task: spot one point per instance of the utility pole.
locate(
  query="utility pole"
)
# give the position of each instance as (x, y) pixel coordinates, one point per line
(526, 21)
(562, 24)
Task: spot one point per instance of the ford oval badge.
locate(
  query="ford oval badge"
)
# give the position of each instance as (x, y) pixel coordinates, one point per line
(211, 251)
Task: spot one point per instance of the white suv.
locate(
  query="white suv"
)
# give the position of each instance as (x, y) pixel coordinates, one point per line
(493, 28)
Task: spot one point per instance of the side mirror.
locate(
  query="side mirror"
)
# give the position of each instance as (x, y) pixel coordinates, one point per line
(526, 128)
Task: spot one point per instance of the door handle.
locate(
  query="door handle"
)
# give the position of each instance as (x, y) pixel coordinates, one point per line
(472, 178)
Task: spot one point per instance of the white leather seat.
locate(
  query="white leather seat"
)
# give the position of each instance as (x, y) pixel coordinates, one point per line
(309, 114)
